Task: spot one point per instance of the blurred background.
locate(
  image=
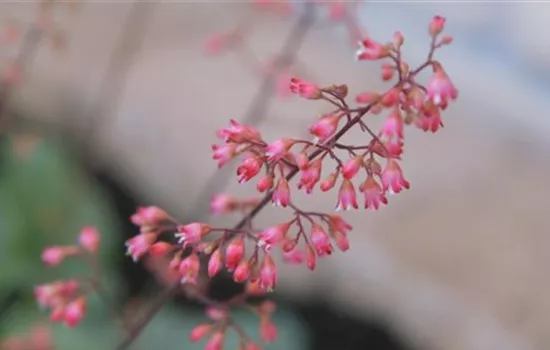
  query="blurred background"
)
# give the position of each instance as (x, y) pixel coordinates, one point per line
(112, 105)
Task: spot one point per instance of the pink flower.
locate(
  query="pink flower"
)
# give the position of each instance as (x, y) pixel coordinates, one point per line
(391, 98)
(393, 126)
(268, 331)
(215, 263)
(217, 313)
(274, 235)
(311, 258)
(294, 255)
(149, 216)
(239, 133)
(440, 88)
(160, 248)
(338, 223)
(242, 272)
(324, 127)
(321, 241)
(189, 269)
(310, 175)
(265, 183)
(305, 89)
(216, 341)
(53, 256)
(429, 119)
(74, 312)
(224, 153)
(328, 183)
(89, 239)
(281, 195)
(139, 245)
(234, 253)
(268, 273)
(352, 167)
(374, 195)
(371, 50)
(437, 25)
(278, 149)
(367, 97)
(341, 240)
(222, 204)
(394, 148)
(193, 232)
(199, 332)
(392, 177)
(249, 168)
(347, 198)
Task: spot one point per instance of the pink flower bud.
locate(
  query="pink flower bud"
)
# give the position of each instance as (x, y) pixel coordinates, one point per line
(216, 313)
(398, 39)
(324, 127)
(199, 332)
(215, 263)
(392, 178)
(367, 97)
(371, 50)
(249, 168)
(57, 314)
(311, 258)
(278, 149)
(294, 255)
(387, 72)
(149, 216)
(89, 239)
(390, 98)
(53, 256)
(310, 175)
(265, 183)
(352, 167)
(234, 253)
(139, 245)
(321, 241)
(74, 312)
(437, 25)
(268, 331)
(305, 89)
(242, 272)
(239, 133)
(328, 183)
(429, 119)
(337, 223)
(281, 195)
(341, 240)
(440, 88)
(374, 195)
(268, 273)
(189, 269)
(224, 153)
(216, 341)
(222, 204)
(275, 234)
(347, 198)
(393, 126)
(193, 232)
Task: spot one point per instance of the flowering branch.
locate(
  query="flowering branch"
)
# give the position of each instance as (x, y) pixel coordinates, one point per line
(247, 252)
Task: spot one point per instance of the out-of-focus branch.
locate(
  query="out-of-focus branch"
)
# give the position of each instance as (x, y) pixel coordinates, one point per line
(259, 105)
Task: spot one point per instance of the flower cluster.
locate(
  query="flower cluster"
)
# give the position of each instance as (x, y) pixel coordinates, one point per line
(67, 299)
(324, 162)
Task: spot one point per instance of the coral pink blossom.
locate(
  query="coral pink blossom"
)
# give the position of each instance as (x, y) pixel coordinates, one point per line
(234, 253)
(160, 248)
(224, 153)
(189, 269)
(352, 167)
(215, 263)
(339, 224)
(53, 256)
(374, 195)
(305, 89)
(242, 272)
(441, 88)
(437, 25)
(281, 195)
(324, 127)
(328, 183)
(310, 175)
(89, 239)
(278, 149)
(199, 332)
(371, 50)
(392, 178)
(216, 341)
(193, 232)
(367, 97)
(74, 312)
(393, 126)
(268, 273)
(265, 183)
(149, 216)
(139, 245)
(294, 255)
(429, 119)
(321, 241)
(341, 240)
(347, 198)
(268, 331)
(239, 133)
(249, 168)
(311, 258)
(274, 235)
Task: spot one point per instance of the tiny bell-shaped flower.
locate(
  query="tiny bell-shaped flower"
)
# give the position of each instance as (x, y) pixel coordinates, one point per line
(234, 253)
(215, 263)
(392, 178)
(352, 167)
(268, 331)
(338, 223)
(54, 256)
(324, 127)
(347, 197)
(367, 97)
(189, 269)
(274, 235)
(393, 126)
(293, 254)
(278, 149)
(89, 239)
(249, 168)
(440, 88)
(310, 175)
(328, 183)
(160, 249)
(429, 119)
(311, 258)
(265, 183)
(216, 341)
(268, 273)
(74, 312)
(321, 241)
(193, 232)
(305, 89)
(341, 240)
(239, 133)
(371, 50)
(281, 195)
(374, 195)
(388, 71)
(437, 25)
(149, 216)
(199, 332)
(242, 272)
